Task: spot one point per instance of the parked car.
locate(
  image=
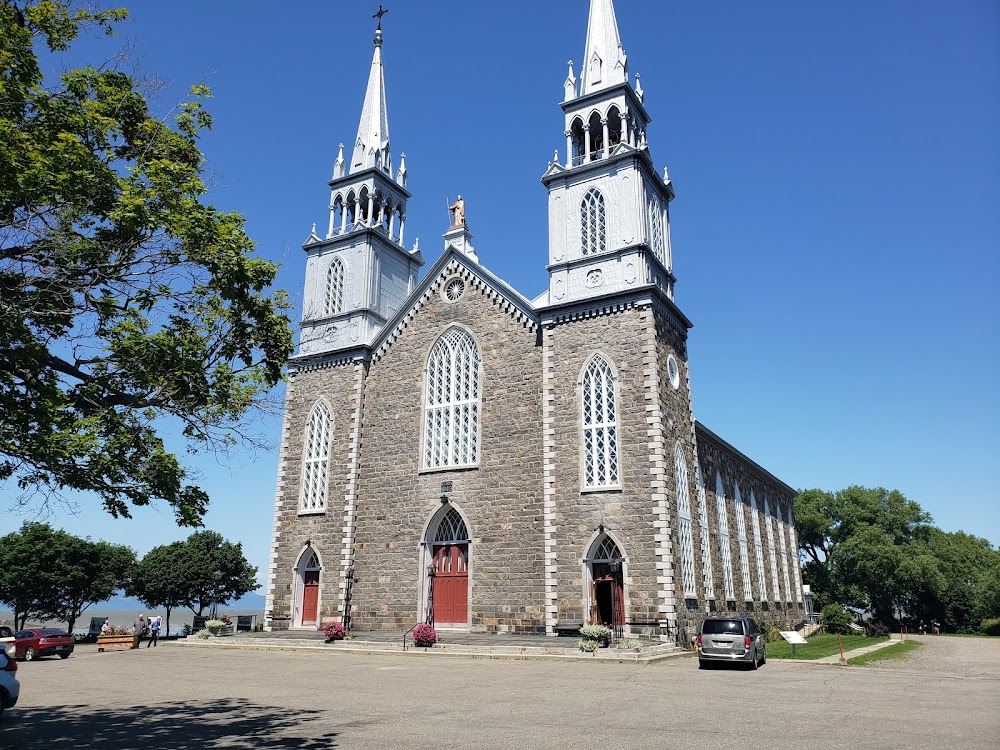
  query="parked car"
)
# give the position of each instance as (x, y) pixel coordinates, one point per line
(10, 688)
(732, 639)
(6, 638)
(35, 642)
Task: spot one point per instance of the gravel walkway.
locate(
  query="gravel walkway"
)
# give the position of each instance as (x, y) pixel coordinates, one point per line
(949, 656)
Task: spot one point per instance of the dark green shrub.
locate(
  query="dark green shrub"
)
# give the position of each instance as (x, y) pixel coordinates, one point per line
(836, 619)
(990, 627)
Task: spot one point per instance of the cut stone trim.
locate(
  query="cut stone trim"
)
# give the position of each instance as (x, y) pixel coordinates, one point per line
(450, 271)
(272, 565)
(549, 490)
(353, 474)
(658, 475)
(342, 359)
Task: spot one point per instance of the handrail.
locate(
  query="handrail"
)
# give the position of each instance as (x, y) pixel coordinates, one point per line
(408, 632)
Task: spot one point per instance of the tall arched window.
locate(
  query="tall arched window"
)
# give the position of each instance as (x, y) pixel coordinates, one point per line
(593, 223)
(451, 416)
(758, 547)
(706, 547)
(600, 426)
(684, 527)
(316, 460)
(741, 535)
(795, 553)
(769, 529)
(727, 560)
(334, 303)
(784, 553)
(656, 231)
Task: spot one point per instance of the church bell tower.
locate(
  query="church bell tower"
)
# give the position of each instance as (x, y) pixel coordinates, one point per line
(359, 273)
(609, 218)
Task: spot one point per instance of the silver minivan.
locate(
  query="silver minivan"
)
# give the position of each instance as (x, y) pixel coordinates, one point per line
(736, 639)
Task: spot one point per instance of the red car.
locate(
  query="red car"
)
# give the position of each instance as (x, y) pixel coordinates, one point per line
(35, 642)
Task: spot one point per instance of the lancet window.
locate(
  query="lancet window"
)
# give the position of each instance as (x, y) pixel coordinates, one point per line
(706, 546)
(600, 425)
(769, 528)
(727, 561)
(451, 415)
(684, 516)
(452, 528)
(741, 533)
(334, 300)
(593, 222)
(758, 547)
(795, 548)
(317, 457)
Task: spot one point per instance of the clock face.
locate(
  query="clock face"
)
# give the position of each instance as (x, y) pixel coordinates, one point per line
(673, 371)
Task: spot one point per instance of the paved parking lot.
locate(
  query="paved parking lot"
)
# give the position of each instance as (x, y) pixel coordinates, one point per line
(174, 697)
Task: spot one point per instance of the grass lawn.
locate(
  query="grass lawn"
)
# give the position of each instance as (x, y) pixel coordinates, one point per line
(819, 646)
(896, 651)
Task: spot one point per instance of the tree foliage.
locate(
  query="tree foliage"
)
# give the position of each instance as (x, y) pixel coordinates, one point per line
(874, 549)
(128, 302)
(51, 574)
(203, 569)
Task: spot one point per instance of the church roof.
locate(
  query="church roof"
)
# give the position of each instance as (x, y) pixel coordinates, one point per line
(373, 129)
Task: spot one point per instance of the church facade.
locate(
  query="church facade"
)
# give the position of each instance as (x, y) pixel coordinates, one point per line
(454, 452)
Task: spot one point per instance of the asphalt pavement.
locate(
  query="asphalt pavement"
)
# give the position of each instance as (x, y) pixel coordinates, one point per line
(174, 697)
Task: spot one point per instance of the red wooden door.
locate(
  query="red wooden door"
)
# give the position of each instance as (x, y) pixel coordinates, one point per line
(310, 597)
(451, 583)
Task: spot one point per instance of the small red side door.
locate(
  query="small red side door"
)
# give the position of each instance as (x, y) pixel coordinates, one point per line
(310, 597)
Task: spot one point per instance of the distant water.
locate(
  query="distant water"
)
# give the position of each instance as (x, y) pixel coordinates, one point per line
(125, 617)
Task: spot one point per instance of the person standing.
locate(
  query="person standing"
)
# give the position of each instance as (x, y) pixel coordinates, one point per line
(139, 626)
(154, 631)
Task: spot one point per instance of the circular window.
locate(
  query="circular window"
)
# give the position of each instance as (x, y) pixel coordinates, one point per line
(454, 289)
(673, 371)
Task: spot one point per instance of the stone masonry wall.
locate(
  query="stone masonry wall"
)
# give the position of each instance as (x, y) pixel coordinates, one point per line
(501, 498)
(337, 384)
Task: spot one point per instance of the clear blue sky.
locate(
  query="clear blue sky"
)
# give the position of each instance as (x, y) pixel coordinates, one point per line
(836, 232)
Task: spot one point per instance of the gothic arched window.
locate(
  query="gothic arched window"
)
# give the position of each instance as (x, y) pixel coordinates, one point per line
(316, 460)
(452, 528)
(741, 535)
(706, 547)
(656, 231)
(451, 416)
(684, 515)
(607, 551)
(727, 561)
(769, 528)
(600, 425)
(334, 301)
(758, 547)
(593, 223)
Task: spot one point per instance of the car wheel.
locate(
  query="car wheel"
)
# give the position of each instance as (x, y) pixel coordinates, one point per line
(63, 656)
(763, 658)
(702, 664)
(753, 662)
(29, 654)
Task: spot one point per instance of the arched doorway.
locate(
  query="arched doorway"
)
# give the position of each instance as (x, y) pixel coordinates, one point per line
(448, 592)
(307, 589)
(607, 585)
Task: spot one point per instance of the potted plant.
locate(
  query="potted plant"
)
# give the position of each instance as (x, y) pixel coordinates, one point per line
(600, 634)
(424, 635)
(223, 626)
(334, 631)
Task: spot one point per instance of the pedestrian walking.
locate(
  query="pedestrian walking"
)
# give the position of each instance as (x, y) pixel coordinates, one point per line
(139, 626)
(154, 631)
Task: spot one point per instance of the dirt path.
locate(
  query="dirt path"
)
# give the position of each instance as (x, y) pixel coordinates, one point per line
(952, 656)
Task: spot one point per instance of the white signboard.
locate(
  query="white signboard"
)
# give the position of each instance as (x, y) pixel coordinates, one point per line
(792, 637)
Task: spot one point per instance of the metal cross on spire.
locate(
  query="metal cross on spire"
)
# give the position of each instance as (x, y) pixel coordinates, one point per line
(381, 12)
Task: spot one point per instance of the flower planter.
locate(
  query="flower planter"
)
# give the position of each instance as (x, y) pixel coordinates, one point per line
(220, 630)
(117, 642)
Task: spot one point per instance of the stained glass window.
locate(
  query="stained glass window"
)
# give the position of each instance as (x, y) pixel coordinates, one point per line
(706, 546)
(317, 456)
(758, 547)
(684, 527)
(594, 223)
(727, 562)
(600, 426)
(741, 533)
(451, 415)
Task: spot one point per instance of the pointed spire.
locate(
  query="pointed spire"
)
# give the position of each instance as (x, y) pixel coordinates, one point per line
(604, 62)
(570, 85)
(372, 144)
(338, 166)
(401, 174)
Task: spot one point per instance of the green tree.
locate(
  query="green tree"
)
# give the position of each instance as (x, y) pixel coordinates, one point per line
(162, 578)
(27, 576)
(50, 574)
(130, 305)
(86, 572)
(216, 571)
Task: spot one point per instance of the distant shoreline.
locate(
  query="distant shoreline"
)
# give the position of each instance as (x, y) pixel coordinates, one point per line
(125, 617)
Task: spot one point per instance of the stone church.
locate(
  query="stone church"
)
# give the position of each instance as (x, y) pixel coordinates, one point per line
(454, 452)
